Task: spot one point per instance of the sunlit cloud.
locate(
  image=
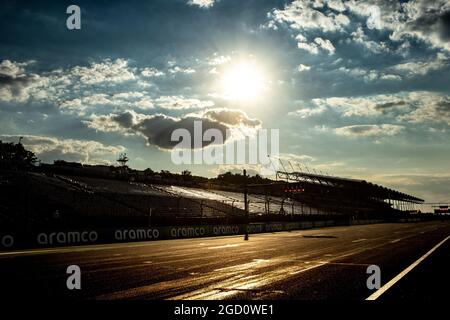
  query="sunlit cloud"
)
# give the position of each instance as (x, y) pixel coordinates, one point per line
(51, 148)
(202, 3)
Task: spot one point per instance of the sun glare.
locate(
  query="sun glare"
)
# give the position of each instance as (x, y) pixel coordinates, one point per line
(243, 81)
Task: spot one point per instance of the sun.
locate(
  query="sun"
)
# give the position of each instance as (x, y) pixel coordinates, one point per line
(243, 81)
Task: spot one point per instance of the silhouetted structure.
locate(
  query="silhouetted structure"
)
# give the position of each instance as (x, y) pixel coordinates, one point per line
(123, 159)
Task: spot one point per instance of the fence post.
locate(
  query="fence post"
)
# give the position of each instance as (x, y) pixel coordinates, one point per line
(150, 217)
(246, 205)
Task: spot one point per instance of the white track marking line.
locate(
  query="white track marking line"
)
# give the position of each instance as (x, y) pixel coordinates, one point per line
(308, 268)
(86, 248)
(388, 285)
(359, 240)
(225, 246)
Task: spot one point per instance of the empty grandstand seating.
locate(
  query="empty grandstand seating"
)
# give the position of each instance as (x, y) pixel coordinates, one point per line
(102, 202)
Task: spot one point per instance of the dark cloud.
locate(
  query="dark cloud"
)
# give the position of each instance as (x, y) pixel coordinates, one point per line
(443, 106)
(389, 105)
(158, 128)
(125, 119)
(445, 25)
(432, 22)
(10, 80)
(14, 81)
(16, 89)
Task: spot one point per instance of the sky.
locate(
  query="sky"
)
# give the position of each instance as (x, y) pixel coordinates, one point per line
(356, 88)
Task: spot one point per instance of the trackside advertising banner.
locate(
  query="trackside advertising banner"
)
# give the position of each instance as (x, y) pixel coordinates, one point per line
(55, 238)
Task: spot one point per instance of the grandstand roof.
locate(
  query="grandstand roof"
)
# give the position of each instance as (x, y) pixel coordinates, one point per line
(362, 185)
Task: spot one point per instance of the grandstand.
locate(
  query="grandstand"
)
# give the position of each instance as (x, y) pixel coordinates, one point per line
(32, 198)
(351, 196)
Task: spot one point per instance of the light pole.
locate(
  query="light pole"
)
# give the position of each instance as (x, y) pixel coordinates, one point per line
(246, 206)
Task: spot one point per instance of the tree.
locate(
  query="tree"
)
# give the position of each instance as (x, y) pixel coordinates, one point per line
(149, 172)
(186, 175)
(14, 155)
(166, 174)
(238, 179)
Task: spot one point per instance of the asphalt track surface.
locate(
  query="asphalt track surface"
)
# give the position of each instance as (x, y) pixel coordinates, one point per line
(317, 264)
